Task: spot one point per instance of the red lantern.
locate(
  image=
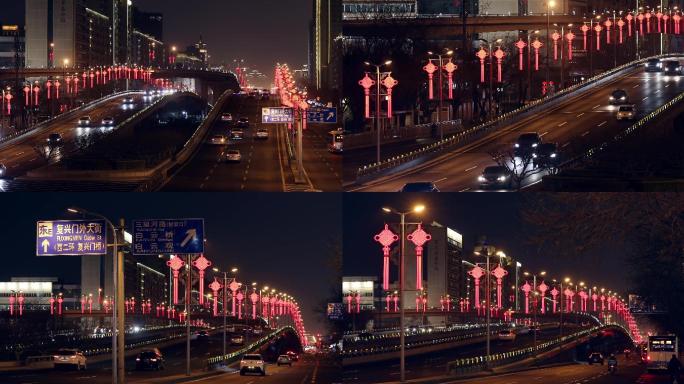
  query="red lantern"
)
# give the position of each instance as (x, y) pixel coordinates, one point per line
(8, 102)
(175, 264)
(527, 288)
(367, 83)
(76, 84)
(659, 16)
(60, 300)
(20, 300)
(648, 16)
(542, 289)
(48, 84)
(621, 25)
(430, 68)
(608, 24)
(555, 37)
(569, 37)
(594, 297)
(554, 293)
(254, 298)
(665, 19)
(521, 46)
(598, 30)
(477, 274)
(677, 26)
(450, 68)
(12, 299)
(629, 18)
(52, 305)
(499, 54)
(388, 298)
(201, 263)
(482, 55)
(386, 237)
(57, 85)
(395, 299)
(536, 45)
(233, 286)
(568, 297)
(499, 273)
(92, 77)
(585, 29)
(215, 286)
(641, 18)
(389, 82)
(419, 237)
(36, 92)
(240, 297)
(27, 91)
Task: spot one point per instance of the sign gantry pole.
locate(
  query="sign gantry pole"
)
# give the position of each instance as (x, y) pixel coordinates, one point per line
(188, 301)
(119, 300)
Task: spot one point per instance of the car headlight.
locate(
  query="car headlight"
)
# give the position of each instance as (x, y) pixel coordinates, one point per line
(517, 145)
(535, 145)
(623, 98)
(612, 98)
(501, 178)
(481, 178)
(553, 155)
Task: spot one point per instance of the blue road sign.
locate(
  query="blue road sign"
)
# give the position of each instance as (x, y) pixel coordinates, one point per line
(322, 115)
(71, 238)
(277, 115)
(168, 236)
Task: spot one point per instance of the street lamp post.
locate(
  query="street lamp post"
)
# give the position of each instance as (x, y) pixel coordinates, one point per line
(487, 250)
(118, 374)
(378, 75)
(440, 58)
(225, 285)
(549, 4)
(402, 316)
(534, 283)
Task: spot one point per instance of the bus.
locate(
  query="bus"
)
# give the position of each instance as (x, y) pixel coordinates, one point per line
(659, 351)
(337, 144)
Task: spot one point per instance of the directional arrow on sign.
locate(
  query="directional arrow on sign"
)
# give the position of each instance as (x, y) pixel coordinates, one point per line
(331, 116)
(45, 245)
(191, 234)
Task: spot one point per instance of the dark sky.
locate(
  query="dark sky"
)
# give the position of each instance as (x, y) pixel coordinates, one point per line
(472, 214)
(277, 239)
(263, 32)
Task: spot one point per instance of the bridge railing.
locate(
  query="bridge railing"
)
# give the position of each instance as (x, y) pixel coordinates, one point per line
(478, 363)
(472, 134)
(232, 357)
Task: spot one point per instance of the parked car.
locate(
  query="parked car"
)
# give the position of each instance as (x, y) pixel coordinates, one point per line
(252, 363)
(284, 360)
(596, 357)
(149, 359)
(67, 357)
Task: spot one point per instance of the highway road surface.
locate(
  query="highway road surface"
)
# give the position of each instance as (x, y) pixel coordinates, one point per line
(575, 126)
(21, 155)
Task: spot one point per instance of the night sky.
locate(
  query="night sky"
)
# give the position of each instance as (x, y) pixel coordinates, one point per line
(263, 32)
(277, 239)
(472, 214)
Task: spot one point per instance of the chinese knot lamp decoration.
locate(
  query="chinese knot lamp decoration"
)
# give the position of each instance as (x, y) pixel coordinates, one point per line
(419, 237)
(386, 237)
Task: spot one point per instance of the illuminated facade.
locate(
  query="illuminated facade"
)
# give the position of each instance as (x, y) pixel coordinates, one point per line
(444, 268)
(37, 292)
(36, 33)
(325, 43)
(12, 47)
(364, 286)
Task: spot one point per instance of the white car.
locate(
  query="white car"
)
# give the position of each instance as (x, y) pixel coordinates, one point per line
(284, 360)
(3, 170)
(262, 133)
(227, 117)
(108, 121)
(252, 363)
(128, 100)
(507, 335)
(232, 156)
(626, 112)
(237, 340)
(218, 140)
(70, 357)
(84, 121)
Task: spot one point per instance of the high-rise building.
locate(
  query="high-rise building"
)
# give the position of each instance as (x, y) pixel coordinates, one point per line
(121, 13)
(37, 26)
(149, 23)
(325, 45)
(12, 47)
(444, 270)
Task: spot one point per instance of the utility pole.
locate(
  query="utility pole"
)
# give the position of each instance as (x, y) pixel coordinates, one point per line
(188, 299)
(120, 320)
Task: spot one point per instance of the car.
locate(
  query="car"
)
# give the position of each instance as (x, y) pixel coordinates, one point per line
(227, 117)
(423, 186)
(108, 121)
(243, 122)
(293, 355)
(618, 97)
(218, 140)
(527, 143)
(546, 155)
(237, 134)
(626, 112)
(237, 340)
(495, 177)
(252, 363)
(54, 139)
(66, 357)
(284, 360)
(262, 133)
(672, 68)
(232, 156)
(654, 65)
(257, 330)
(3, 170)
(202, 335)
(596, 357)
(128, 100)
(507, 335)
(84, 121)
(149, 359)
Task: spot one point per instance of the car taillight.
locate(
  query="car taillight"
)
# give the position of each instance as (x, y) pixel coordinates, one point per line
(648, 357)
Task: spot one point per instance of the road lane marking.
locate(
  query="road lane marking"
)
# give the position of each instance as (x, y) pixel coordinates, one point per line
(667, 86)
(465, 190)
(597, 106)
(471, 168)
(644, 99)
(658, 91)
(544, 134)
(565, 145)
(602, 124)
(636, 86)
(436, 181)
(585, 133)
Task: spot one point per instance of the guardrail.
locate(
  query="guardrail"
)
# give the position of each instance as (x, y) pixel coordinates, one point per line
(234, 356)
(478, 131)
(65, 115)
(622, 135)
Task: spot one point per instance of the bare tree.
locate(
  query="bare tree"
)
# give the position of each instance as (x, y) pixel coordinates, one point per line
(46, 152)
(520, 167)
